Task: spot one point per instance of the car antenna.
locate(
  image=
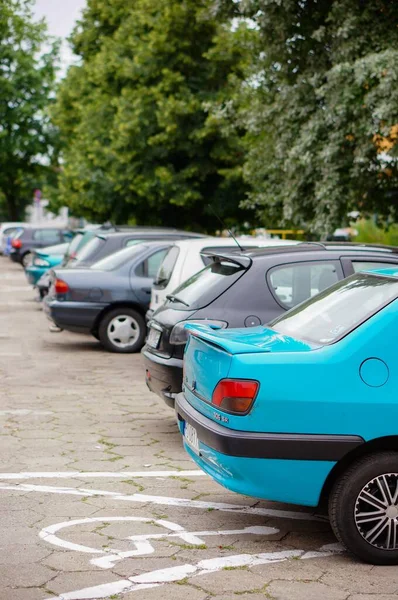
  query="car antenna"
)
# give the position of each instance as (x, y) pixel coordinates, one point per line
(224, 226)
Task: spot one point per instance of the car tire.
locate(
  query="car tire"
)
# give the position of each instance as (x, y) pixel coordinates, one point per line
(363, 508)
(26, 259)
(122, 330)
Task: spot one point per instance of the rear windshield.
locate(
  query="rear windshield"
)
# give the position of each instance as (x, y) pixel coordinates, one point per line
(90, 249)
(166, 268)
(75, 243)
(203, 287)
(332, 314)
(118, 259)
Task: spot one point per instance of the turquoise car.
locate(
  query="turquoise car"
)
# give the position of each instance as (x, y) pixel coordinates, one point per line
(305, 410)
(44, 259)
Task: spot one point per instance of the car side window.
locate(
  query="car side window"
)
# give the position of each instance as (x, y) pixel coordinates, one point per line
(149, 267)
(48, 237)
(294, 283)
(369, 265)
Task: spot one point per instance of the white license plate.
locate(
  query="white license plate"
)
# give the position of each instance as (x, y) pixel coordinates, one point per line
(191, 437)
(153, 338)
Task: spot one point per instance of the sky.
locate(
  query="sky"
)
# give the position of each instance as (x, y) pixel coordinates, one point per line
(61, 16)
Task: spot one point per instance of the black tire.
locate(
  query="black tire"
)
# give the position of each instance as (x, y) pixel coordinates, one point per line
(346, 503)
(138, 331)
(26, 259)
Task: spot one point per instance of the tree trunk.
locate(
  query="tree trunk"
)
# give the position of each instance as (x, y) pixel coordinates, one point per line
(12, 208)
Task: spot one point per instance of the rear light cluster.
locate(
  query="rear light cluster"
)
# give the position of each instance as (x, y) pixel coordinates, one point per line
(60, 286)
(16, 244)
(235, 395)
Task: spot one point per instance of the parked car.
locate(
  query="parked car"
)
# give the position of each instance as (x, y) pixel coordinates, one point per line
(43, 259)
(306, 409)
(11, 233)
(30, 238)
(108, 299)
(5, 230)
(245, 290)
(104, 244)
(187, 257)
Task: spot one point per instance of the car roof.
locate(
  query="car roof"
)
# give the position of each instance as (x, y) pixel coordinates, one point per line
(198, 244)
(325, 247)
(137, 230)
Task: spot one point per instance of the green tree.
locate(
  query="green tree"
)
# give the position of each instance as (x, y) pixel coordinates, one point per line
(27, 75)
(321, 110)
(137, 115)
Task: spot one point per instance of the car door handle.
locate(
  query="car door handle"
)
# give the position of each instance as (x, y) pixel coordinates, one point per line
(146, 290)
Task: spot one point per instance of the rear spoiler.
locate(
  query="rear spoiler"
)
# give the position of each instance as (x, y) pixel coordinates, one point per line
(237, 259)
(231, 346)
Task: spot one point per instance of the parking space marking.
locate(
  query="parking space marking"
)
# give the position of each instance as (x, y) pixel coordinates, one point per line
(96, 474)
(165, 501)
(22, 412)
(173, 574)
(141, 543)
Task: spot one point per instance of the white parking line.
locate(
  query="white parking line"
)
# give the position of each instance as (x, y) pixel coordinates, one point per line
(21, 412)
(164, 500)
(97, 474)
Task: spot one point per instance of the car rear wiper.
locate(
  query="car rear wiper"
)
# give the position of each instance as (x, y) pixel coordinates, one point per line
(173, 298)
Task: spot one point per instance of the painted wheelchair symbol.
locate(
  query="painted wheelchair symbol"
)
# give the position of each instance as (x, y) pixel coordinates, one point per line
(141, 543)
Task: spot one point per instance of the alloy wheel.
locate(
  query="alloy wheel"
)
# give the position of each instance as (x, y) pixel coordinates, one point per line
(376, 512)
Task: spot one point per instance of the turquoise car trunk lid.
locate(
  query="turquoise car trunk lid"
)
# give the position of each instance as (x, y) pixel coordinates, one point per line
(206, 364)
(212, 355)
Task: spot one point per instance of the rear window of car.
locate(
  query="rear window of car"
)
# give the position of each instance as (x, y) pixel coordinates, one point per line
(206, 285)
(89, 250)
(75, 243)
(118, 259)
(166, 268)
(332, 314)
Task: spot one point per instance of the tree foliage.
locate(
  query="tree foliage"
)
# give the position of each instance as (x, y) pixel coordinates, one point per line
(321, 109)
(138, 118)
(27, 75)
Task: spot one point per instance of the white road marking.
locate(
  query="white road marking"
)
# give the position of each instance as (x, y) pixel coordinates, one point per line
(96, 474)
(141, 543)
(22, 412)
(160, 577)
(165, 500)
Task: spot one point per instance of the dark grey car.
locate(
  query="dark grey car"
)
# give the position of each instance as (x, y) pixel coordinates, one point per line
(30, 238)
(104, 244)
(108, 299)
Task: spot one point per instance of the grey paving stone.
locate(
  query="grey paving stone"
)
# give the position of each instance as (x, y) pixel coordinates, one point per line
(228, 580)
(298, 590)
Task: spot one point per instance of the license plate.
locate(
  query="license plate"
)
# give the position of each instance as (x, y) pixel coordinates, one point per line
(191, 437)
(153, 338)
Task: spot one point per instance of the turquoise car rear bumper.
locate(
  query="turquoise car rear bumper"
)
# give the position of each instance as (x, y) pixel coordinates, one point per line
(34, 273)
(278, 467)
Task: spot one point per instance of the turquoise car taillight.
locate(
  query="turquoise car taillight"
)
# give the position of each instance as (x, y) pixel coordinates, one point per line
(235, 395)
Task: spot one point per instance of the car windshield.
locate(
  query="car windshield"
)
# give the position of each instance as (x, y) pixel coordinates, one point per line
(206, 285)
(116, 260)
(166, 268)
(89, 249)
(332, 314)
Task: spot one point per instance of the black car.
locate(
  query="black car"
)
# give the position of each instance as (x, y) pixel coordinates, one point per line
(29, 238)
(245, 290)
(109, 299)
(103, 244)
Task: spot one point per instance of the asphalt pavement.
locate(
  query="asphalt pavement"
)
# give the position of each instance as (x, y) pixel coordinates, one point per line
(99, 500)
